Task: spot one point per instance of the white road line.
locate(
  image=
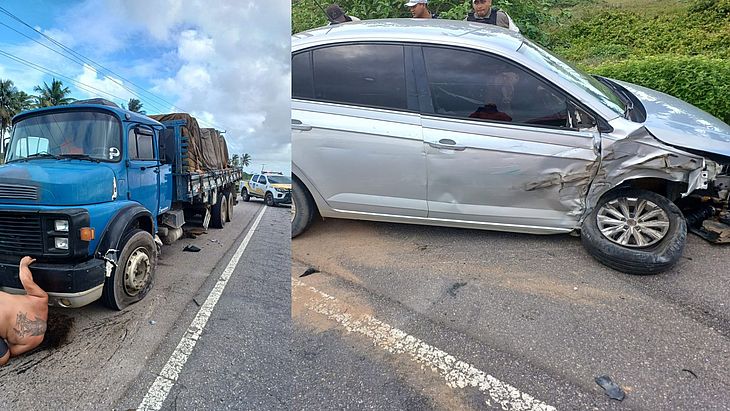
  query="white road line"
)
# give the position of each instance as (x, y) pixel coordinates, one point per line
(164, 382)
(458, 374)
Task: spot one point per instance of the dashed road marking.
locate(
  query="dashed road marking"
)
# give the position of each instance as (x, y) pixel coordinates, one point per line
(164, 382)
(457, 373)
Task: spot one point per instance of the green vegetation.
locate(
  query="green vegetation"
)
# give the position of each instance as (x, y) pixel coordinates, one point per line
(680, 47)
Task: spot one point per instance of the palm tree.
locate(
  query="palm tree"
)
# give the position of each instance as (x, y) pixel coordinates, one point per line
(136, 106)
(55, 95)
(245, 160)
(12, 102)
(236, 160)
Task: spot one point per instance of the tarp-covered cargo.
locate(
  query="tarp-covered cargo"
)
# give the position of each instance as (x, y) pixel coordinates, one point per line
(193, 162)
(211, 155)
(207, 149)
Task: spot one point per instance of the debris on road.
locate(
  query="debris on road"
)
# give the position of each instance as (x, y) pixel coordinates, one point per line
(689, 371)
(153, 322)
(309, 271)
(613, 390)
(191, 248)
(452, 290)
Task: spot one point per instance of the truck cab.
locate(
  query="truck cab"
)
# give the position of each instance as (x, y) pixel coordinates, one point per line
(81, 191)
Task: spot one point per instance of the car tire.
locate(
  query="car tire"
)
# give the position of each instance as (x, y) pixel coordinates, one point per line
(231, 204)
(658, 255)
(244, 195)
(269, 200)
(302, 208)
(219, 211)
(138, 258)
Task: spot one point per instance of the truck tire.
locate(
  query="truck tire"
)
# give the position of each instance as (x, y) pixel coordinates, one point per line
(219, 212)
(635, 231)
(269, 199)
(302, 208)
(244, 195)
(133, 277)
(231, 203)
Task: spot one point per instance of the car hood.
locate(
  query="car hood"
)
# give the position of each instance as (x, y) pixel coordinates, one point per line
(282, 186)
(55, 183)
(681, 124)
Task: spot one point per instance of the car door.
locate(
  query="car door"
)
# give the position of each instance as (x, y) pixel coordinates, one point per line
(143, 169)
(504, 148)
(356, 130)
(261, 186)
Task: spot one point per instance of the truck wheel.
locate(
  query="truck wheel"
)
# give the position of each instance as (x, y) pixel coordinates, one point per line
(635, 232)
(269, 199)
(244, 194)
(231, 203)
(133, 277)
(302, 208)
(219, 212)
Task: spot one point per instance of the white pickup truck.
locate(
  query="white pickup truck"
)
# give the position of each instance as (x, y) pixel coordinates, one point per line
(273, 188)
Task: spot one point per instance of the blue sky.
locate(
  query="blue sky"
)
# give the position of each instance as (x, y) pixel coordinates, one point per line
(227, 64)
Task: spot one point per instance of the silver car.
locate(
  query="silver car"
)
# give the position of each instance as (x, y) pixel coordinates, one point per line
(462, 124)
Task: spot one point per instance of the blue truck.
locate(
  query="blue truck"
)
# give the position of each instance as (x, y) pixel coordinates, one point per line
(92, 190)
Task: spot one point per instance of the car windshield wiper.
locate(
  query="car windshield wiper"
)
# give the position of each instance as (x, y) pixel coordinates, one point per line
(42, 154)
(80, 157)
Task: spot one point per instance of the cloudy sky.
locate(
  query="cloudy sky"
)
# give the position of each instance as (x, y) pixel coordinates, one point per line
(225, 62)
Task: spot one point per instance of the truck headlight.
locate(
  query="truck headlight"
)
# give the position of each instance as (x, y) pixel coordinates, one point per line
(61, 225)
(61, 243)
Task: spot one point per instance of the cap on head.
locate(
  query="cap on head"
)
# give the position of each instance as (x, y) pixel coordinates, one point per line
(412, 3)
(335, 13)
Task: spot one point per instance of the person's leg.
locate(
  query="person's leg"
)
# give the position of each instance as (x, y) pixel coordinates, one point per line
(4, 352)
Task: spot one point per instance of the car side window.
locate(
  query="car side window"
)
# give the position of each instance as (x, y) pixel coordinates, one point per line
(475, 85)
(361, 74)
(302, 83)
(262, 180)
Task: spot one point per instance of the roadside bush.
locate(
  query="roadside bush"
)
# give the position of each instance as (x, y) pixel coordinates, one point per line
(529, 15)
(614, 35)
(701, 81)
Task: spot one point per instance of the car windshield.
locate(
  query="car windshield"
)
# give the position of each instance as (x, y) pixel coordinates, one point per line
(85, 135)
(279, 180)
(574, 75)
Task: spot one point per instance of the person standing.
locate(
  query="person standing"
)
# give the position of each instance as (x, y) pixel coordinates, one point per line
(419, 9)
(485, 13)
(336, 15)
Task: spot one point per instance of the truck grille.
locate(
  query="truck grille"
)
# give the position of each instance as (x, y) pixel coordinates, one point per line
(20, 233)
(18, 192)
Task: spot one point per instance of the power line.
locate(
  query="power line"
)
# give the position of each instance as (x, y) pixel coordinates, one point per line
(97, 66)
(45, 70)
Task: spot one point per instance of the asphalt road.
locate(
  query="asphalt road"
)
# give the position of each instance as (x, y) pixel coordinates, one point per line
(101, 359)
(397, 314)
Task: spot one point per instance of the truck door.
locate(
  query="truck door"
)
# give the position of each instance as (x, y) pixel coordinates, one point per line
(143, 168)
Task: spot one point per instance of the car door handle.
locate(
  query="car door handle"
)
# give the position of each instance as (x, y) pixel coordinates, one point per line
(298, 125)
(448, 144)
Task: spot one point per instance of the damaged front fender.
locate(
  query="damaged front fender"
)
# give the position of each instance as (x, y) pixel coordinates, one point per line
(641, 156)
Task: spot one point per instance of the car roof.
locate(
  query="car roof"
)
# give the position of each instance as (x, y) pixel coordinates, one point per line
(456, 32)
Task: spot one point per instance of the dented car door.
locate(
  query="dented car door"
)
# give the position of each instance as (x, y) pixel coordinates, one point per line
(504, 148)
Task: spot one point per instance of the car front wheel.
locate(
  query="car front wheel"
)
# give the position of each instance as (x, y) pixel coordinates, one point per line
(635, 231)
(244, 195)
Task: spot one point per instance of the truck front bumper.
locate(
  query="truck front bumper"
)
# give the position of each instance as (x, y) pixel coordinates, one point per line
(67, 285)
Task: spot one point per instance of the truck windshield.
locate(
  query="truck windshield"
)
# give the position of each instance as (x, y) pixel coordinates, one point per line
(279, 179)
(91, 135)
